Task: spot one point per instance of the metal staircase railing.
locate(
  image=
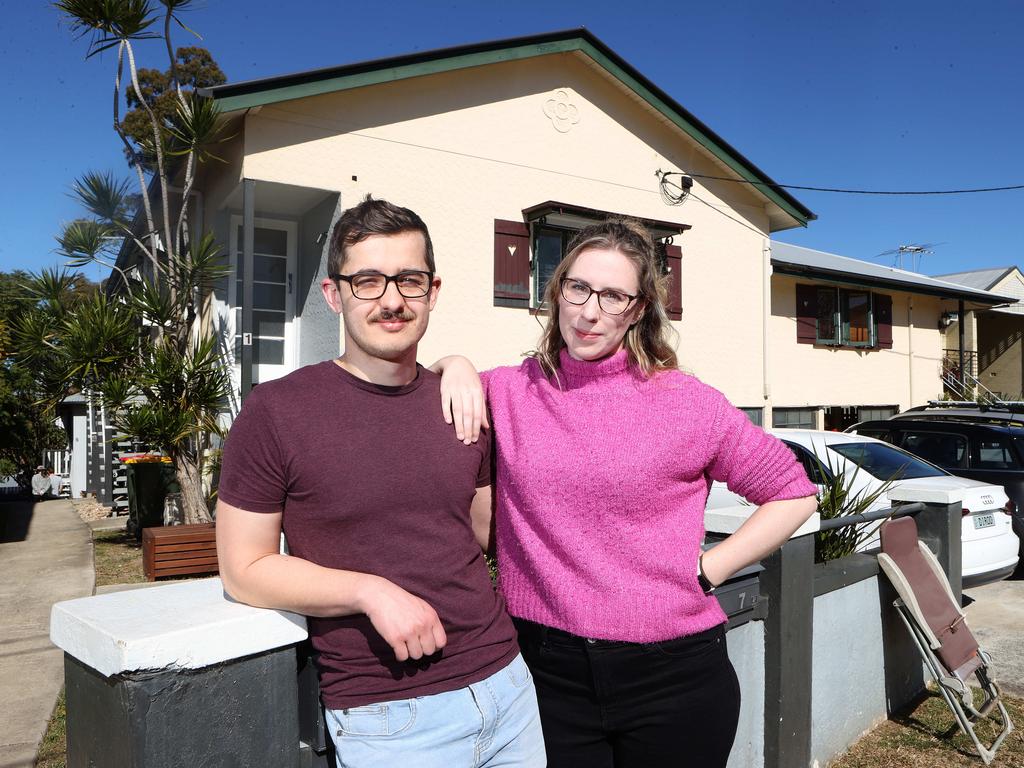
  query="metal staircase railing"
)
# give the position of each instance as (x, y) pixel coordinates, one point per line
(963, 385)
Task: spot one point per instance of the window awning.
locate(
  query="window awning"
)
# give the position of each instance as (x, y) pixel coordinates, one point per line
(577, 216)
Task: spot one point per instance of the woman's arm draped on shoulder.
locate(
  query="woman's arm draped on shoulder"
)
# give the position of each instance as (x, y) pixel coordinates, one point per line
(462, 397)
(763, 470)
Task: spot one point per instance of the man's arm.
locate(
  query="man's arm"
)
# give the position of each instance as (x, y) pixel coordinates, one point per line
(481, 514)
(255, 572)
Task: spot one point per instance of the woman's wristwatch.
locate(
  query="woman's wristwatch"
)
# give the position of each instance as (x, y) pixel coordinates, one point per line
(702, 580)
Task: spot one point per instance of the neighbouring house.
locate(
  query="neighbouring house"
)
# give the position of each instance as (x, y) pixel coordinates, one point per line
(92, 457)
(868, 341)
(992, 337)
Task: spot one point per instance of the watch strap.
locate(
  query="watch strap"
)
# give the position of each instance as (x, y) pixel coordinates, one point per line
(702, 580)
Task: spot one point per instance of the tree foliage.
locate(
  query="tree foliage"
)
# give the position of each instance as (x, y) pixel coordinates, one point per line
(13, 299)
(194, 68)
(27, 430)
(28, 388)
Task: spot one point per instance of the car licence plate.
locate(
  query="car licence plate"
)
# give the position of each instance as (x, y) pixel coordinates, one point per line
(984, 521)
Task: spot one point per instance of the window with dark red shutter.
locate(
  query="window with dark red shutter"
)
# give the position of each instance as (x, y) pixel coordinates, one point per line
(511, 264)
(554, 225)
(673, 265)
(843, 317)
(883, 320)
(806, 314)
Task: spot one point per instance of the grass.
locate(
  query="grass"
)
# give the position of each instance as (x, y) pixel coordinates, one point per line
(52, 752)
(117, 557)
(926, 736)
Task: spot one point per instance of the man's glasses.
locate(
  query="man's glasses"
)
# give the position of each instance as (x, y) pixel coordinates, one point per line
(412, 283)
(610, 302)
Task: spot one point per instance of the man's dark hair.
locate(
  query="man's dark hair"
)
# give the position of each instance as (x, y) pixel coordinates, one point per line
(373, 217)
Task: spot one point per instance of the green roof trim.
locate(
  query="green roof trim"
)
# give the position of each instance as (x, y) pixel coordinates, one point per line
(344, 82)
(684, 121)
(245, 95)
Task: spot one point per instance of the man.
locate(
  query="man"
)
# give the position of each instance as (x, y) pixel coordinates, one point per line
(55, 483)
(41, 484)
(377, 499)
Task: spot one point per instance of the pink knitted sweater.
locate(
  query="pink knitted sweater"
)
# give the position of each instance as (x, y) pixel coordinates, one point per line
(601, 487)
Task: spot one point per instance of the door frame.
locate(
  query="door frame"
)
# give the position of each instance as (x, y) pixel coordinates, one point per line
(291, 324)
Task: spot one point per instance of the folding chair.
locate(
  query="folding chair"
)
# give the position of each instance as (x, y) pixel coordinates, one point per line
(939, 628)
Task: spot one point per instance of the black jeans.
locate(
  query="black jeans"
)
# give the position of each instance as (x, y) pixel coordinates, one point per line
(605, 704)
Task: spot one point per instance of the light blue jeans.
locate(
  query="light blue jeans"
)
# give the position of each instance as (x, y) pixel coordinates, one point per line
(491, 724)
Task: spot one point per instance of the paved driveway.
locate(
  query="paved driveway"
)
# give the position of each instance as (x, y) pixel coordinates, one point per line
(997, 619)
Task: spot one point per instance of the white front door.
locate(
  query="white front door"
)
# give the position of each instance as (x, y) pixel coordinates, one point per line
(273, 296)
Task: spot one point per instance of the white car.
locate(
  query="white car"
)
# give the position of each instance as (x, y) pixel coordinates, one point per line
(989, 545)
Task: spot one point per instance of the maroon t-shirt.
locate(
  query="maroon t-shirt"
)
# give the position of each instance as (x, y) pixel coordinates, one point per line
(371, 479)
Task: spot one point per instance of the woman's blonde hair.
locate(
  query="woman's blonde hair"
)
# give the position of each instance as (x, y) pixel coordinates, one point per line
(646, 340)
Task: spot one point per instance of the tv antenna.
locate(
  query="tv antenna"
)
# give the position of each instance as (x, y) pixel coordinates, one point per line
(915, 252)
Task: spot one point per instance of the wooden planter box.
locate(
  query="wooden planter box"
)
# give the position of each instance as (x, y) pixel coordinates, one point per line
(179, 550)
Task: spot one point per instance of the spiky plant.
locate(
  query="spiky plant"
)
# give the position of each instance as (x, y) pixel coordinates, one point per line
(838, 498)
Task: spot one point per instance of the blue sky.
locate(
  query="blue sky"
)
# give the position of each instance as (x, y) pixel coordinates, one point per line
(868, 95)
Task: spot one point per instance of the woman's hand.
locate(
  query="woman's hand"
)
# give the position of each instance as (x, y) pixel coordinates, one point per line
(462, 397)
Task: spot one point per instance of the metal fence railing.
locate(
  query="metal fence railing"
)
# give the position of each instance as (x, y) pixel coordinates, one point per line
(843, 521)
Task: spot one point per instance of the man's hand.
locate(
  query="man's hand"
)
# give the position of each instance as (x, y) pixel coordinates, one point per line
(407, 623)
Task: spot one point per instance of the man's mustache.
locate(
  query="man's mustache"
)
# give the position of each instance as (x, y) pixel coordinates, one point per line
(386, 316)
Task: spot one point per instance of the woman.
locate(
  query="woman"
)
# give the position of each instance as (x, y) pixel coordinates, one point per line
(605, 452)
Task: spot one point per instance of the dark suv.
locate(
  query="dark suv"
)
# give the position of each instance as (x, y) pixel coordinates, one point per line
(980, 443)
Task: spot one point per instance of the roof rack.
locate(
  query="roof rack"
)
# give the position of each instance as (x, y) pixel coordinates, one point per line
(1010, 413)
(1003, 406)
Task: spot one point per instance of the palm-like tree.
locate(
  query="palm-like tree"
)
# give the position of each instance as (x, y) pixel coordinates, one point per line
(142, 347)
(158, 385)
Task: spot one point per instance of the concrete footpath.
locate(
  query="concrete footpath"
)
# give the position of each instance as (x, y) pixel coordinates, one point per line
(997, 620)
(45, 557)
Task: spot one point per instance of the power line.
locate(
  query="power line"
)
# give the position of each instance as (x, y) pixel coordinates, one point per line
(667, 197)
(766, 185)
(719, 211)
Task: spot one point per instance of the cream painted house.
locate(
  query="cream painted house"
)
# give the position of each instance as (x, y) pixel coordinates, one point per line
(505, 149)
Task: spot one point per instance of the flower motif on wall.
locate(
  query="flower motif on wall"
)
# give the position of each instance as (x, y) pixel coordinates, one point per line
(562, 113)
